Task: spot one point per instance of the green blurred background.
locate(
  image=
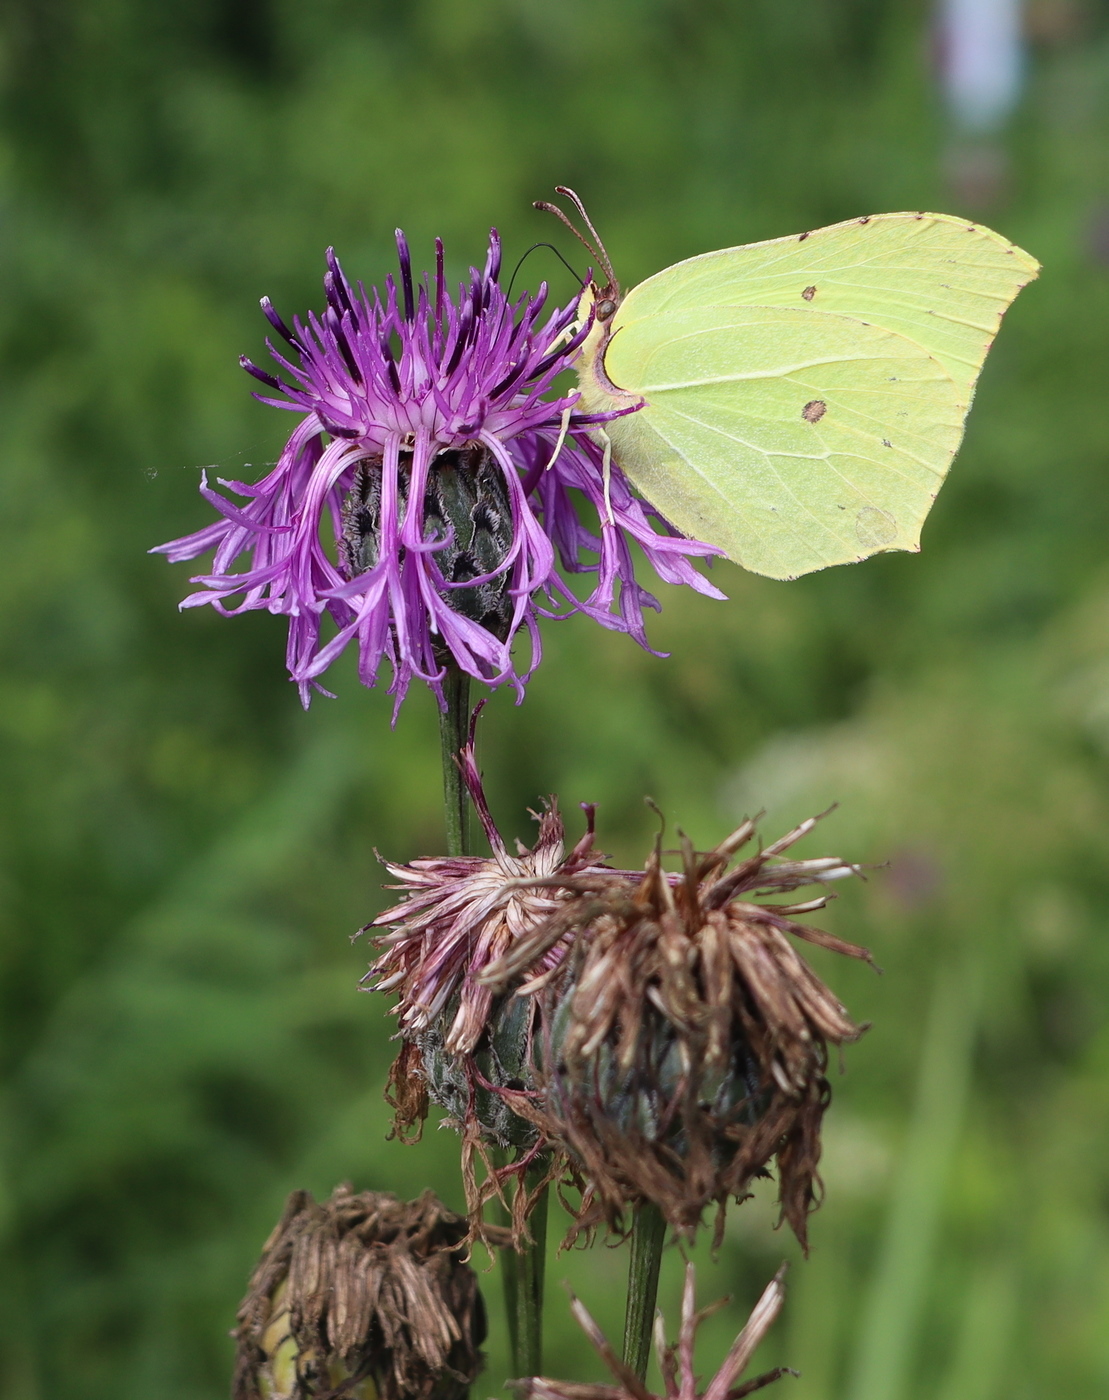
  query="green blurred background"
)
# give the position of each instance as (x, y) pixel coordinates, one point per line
(185, 852)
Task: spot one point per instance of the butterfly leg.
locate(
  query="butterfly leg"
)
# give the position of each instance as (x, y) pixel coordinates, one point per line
(564, 428)
(606, 476)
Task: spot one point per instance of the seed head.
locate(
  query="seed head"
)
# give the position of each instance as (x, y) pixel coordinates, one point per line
(463, 1045)
(460, 914)
(363, 1297)
(682, 1041)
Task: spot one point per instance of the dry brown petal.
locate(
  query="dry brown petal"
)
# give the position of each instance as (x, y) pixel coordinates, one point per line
(362, 1295)
(675, 1361)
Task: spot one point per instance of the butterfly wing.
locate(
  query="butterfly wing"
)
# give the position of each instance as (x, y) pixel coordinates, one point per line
(941, 281)
(804, 397)
(791, 439)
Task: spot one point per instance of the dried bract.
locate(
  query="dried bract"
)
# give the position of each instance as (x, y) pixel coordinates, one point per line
(675, 1362)
(362, 1297)
(684, 1041)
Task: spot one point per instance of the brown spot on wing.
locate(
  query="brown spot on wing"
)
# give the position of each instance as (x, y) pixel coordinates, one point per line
(809, 293)
(814, 410)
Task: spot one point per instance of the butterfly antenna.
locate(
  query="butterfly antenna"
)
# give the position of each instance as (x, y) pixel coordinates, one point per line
(595, 250)
(572, 271)
(601, 254)
(549, 208)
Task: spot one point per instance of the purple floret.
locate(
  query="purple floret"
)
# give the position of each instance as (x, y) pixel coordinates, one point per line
(447, 480)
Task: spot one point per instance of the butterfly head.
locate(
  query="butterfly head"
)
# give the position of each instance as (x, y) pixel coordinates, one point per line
(597, 308)
(604, 304)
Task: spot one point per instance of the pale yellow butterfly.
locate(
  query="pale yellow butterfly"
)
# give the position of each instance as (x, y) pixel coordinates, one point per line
(802, 398)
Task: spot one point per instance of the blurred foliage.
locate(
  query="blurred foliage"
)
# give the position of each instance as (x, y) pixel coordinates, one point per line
(184, 852)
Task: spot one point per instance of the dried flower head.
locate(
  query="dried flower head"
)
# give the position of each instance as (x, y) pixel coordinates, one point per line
(684, 1042)
(365, 1296)
(460, 914)
(431, 453)
(675, 1362)
(462, 1043)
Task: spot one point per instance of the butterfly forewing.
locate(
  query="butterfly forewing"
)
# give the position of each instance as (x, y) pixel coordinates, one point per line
(792, 439)
(941, 281)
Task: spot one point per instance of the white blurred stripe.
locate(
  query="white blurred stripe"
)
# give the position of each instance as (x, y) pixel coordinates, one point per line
(981, 60)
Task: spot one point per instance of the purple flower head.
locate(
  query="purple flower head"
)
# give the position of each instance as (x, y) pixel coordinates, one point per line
(442, 476)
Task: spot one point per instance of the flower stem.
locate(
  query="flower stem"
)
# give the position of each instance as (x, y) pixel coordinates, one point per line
(527, 1268)
(523, 1271)
(453, 732)
(648, 1232)
(522, 1278)
(510, 1281)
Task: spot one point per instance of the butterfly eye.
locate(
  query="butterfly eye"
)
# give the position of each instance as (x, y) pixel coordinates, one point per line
(605, 309)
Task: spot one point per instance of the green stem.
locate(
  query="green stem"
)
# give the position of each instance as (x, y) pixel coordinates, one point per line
(510, 1282)
(522, 1272)
(522, 1279)
(510, 1273)
(453, 733)
(531, 1264)
(527, 1268)
(648, 1232)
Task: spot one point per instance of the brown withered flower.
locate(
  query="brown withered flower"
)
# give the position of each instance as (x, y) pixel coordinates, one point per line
(463, 1044)
(675, 1362)
(365, 1297)
(683, 1042)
